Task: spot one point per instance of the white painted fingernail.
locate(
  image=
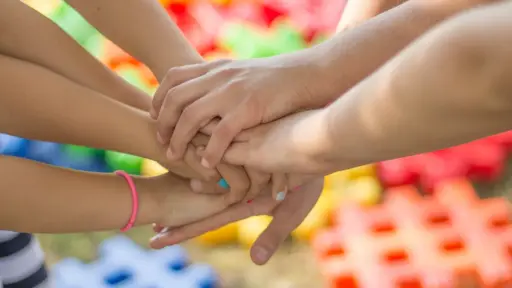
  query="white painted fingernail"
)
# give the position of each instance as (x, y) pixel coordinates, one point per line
(280, 196)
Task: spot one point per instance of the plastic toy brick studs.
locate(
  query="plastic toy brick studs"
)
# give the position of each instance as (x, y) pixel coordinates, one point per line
(451, 239)
(123, 264)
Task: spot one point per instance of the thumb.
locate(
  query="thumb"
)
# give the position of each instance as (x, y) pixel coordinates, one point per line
(237, 154)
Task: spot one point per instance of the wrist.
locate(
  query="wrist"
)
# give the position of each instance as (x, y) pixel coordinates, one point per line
(150, 207)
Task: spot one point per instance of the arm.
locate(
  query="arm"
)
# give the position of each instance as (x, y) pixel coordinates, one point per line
(34, 40)
(52, 108)
(66, 201)
(143, 29)
(391, 31)
(450, 87)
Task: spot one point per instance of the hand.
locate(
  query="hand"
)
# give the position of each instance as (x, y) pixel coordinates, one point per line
(178, 205)
(242, 93)
(298, 143)
(287, 216)
(239, 182)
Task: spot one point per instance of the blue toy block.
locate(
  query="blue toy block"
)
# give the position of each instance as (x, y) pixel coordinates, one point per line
(45, 152)
(123, 264)
(13, 146)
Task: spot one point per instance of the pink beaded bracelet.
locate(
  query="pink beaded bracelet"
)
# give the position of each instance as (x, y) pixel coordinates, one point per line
(135, 200)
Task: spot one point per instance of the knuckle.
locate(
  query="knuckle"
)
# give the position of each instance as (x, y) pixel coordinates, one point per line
(189, 114)
(173, 73)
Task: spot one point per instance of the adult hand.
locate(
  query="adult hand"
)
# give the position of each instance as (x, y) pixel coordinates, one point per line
(298, 144)
(243, 93)
(287, 216)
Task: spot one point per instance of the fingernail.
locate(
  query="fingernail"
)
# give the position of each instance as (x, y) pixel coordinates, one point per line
(157, 236)
(249, 201)
(159, 138)
(205, 163)
(223, 183)
(260, 254)
(196, 185)
(280, 196)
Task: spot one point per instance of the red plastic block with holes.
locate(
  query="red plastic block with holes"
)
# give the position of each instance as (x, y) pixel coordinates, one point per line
(452, 239)
(481, 160)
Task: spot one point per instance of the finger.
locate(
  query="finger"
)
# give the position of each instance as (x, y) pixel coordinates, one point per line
(209, 187)
(259, 183)
(260, 206)
(279, 188)
(224, 133)
(238, 154)
(287, 217)
(193, 160)
(157, 228)
(176, 101)
(174, 77)
(189, 123)
(233, 177)
(200, 139)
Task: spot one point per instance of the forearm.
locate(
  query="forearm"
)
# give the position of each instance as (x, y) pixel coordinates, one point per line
(53, 108)
(450, 87)
(143, 29)
(41, 198)
(29, 36)
(356, 53)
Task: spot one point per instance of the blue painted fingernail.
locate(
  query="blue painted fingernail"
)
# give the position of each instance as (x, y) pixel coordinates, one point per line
(223, 183)
(280, 196)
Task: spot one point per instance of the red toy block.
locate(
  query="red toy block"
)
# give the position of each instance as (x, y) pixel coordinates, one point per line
(434, 168)
(484, 158)
(396, 172)
(503, 139)
(449, 240)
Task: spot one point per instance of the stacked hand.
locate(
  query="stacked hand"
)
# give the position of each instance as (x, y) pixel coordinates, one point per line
(225, 99)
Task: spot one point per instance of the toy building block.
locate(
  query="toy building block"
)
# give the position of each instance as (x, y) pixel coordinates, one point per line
(223, 236)
(250, 229)
(317, 219)
(503, 139)
(123, 264)
(121, 161)
(451, 239)
(13, 146)
(152, 168)
(365, 191)
(481, 160)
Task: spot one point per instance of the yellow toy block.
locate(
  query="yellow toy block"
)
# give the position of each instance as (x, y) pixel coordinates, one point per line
(364, 190)
(361, 171)
(43, 7)
(336, 181)
(316, 219)
(221, 2)
(152, 168)
(222, 236)
(250, 229)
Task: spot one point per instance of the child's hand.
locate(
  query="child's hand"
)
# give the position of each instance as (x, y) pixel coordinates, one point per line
(242, 93)
(178, 205)
(287, 216)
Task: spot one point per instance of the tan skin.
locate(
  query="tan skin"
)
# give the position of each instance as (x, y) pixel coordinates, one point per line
(390, 31)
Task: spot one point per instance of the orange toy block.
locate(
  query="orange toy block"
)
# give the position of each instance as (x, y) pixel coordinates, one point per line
(452, 239)
(114, 56)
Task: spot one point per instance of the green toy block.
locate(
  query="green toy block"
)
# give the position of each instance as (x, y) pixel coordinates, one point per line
(120, 161)
(81, 152)
(286, 38)
(246, 41)
(73, 23)
(95, 45)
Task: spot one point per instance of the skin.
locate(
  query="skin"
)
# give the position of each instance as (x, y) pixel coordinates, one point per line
(62, 187)
(311, 78)
(448, 88)
(391, 32)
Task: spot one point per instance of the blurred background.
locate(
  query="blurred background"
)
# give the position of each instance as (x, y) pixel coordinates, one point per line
(249, 29)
